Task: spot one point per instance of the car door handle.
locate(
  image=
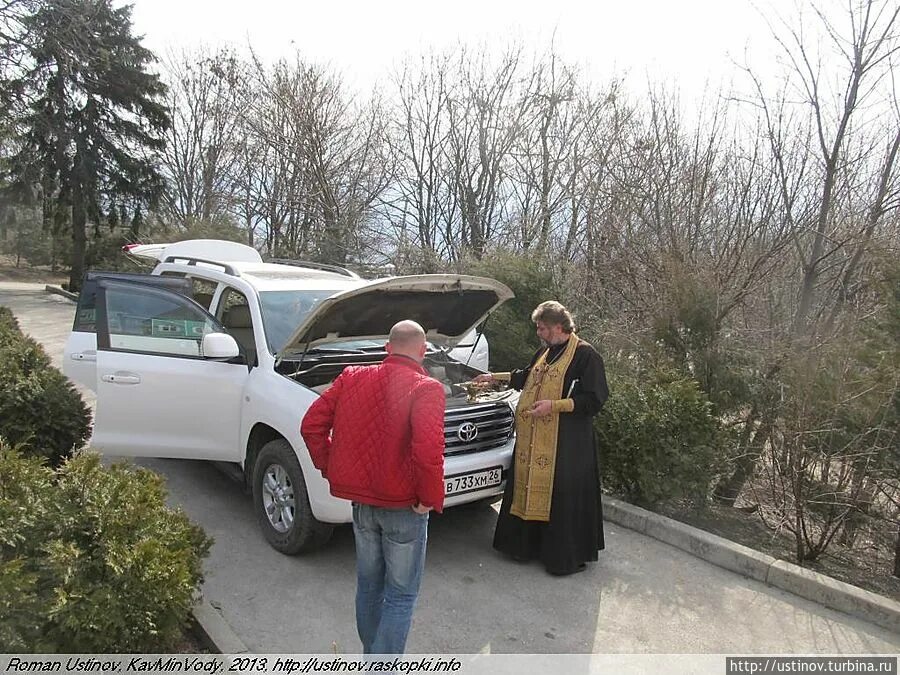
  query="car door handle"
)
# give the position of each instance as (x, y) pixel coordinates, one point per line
(89, 355)
(122, 378)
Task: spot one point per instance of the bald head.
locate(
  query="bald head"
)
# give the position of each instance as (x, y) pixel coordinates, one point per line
(407, 339)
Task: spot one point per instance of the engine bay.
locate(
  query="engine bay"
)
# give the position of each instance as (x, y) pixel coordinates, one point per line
(319, 369)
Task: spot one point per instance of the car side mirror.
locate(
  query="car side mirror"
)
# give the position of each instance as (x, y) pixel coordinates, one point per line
(219, 346)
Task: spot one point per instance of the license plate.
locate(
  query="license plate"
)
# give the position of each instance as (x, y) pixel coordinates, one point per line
(468, 482)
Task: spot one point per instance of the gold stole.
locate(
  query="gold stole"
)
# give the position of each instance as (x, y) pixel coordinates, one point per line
(535, 454)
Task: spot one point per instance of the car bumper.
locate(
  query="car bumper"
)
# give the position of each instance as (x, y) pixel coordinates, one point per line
(338, 510)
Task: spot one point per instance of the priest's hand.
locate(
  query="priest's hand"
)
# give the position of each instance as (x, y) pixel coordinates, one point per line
(541, 408)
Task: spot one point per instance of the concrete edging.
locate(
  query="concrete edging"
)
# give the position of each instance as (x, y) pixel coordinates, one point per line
(61, 291)
(732, 556)
(214, 631)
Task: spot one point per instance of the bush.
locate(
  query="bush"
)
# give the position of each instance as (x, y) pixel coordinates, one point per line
(104, 252)
(92, 559)
(27, 238)
(25, 484)
(509, 330)
(658, 439)
(40, 410)
(9, 327)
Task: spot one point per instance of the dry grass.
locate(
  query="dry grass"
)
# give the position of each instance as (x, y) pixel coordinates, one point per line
(866, 565)
(27, 273)
(190, 643)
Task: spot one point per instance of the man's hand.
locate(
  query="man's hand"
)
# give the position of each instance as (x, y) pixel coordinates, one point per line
(484, 378)
(541, 408)
(418, 508)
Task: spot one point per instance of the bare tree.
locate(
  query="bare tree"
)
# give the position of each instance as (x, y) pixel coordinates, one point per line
(817, 199)
(867, 50)
(421, 192)
(204, 144)
(485, 120)
(542, 158)
(331, 159)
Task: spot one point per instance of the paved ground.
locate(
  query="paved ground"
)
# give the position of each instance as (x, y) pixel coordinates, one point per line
(642, 597)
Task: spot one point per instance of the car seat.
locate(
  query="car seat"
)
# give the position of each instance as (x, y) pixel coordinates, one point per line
(239, 323)
(203, 299)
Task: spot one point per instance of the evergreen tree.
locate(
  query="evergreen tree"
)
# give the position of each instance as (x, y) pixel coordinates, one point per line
(87, 117)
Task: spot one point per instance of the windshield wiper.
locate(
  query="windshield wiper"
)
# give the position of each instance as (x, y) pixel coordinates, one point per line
(333, 350)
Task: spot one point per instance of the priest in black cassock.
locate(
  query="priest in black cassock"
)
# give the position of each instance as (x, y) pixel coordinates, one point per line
(551, 507)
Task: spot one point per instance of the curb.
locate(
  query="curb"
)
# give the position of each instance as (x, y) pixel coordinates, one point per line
(787, 576)
(60, 291)
(214, 632)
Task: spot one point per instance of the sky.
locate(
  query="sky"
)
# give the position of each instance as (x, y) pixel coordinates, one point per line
(688, 43)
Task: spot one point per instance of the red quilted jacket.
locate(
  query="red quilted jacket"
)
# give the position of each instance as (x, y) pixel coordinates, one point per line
(377, 435)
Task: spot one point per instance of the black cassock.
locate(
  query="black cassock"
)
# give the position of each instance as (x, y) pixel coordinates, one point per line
(574, 532)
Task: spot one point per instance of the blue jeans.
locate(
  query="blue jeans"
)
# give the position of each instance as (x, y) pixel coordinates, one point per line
(390, 556)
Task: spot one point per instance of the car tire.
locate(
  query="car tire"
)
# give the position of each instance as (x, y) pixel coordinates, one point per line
(282, 503)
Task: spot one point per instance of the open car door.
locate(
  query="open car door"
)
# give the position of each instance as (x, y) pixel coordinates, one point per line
(80, 354)
(157, 394)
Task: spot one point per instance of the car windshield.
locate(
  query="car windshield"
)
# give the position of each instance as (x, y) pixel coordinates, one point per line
(283, 311)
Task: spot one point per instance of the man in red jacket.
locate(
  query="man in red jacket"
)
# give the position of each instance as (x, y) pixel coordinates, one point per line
(377, 436)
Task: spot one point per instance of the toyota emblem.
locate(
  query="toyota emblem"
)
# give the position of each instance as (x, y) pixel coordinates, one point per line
(467, 432)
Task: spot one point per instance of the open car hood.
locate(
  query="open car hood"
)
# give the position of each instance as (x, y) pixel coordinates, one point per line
(446, 305)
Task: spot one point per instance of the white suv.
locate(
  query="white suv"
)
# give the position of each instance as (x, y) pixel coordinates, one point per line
(217, 355)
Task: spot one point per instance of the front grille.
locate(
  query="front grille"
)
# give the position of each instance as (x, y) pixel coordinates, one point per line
(493, 421)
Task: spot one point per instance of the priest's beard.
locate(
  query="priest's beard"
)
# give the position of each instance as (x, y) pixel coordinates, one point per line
(561, 340)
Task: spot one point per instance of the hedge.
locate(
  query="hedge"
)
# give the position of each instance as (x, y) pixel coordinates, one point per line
(41, 412)
(91, 558)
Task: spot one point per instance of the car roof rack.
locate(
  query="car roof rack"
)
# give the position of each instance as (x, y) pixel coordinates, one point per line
(186, 260)
(315, 266)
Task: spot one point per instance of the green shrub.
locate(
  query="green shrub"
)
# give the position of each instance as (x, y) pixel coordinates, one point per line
(9, 327)
(27, 238)
(104, 252)
(25, 484)
(658, 439)
(39, 408)
(509, 330)
(92, 559)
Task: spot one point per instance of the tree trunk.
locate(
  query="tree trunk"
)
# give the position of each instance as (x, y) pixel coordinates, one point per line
(897, 554)
(864, 499)
(729, 488)
(79, 240)
(135, 230)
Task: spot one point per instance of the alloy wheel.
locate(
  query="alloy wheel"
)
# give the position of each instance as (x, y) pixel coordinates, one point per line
(278, 498)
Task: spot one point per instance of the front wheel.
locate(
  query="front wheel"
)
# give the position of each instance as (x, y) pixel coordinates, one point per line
(282, 503)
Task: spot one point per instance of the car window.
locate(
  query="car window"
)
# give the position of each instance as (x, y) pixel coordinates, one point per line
(234, 313)
(230, 298)
(144, 321)
(202, 290)
(86, 312)
(283, 311)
